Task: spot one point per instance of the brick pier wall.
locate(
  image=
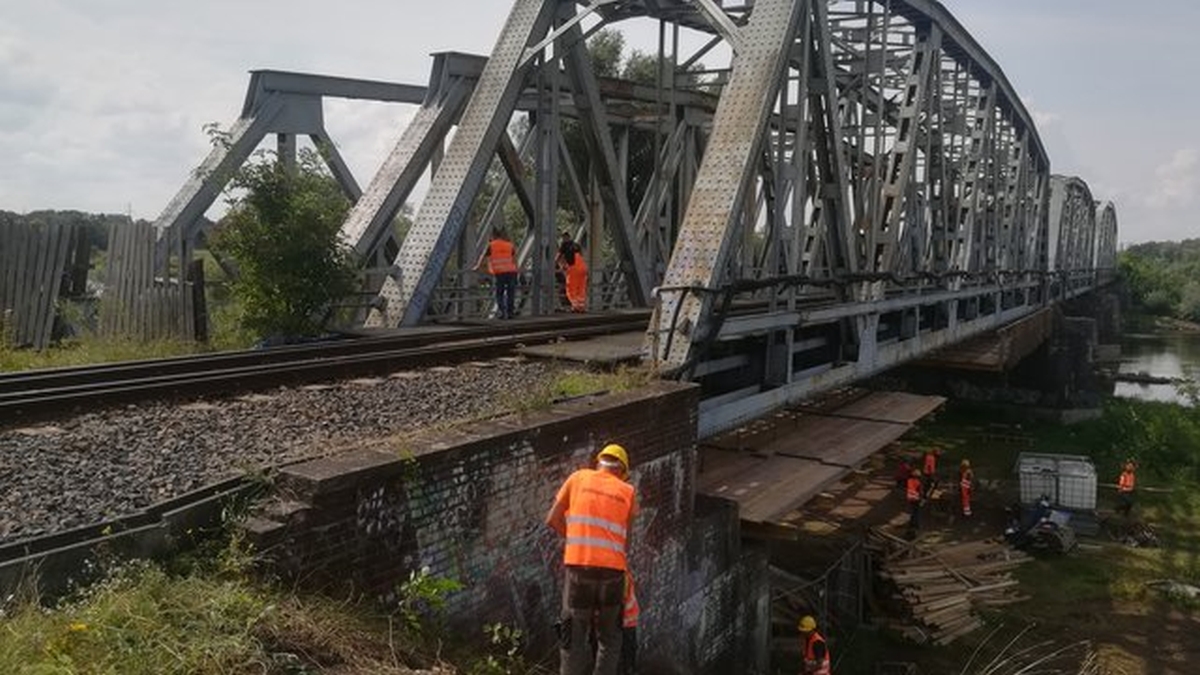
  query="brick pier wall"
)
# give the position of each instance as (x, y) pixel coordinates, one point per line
(469, 504)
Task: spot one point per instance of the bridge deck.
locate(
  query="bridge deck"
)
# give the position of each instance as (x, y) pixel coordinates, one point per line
(775, 466)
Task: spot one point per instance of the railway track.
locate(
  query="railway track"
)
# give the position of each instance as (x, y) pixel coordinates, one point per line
(37, 394)
(61, 555)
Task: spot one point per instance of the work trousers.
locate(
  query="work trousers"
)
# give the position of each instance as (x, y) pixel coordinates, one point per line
(506, 290)
(1125, 503)
(914, 514)
(592, 597)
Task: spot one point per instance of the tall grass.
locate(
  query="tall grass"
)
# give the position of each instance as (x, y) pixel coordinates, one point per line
(205, 619)
(90, 350)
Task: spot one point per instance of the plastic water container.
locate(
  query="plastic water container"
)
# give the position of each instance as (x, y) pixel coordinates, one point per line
(1069, 480)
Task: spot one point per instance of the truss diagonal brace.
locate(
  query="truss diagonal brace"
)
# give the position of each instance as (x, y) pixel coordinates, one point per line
(207, 181)
(337, 165)
(440, 222)
(894, 190)
(720, 21)
(571, 24)
(394, 181)
(594, 119)
(734, 150)
(966, 243)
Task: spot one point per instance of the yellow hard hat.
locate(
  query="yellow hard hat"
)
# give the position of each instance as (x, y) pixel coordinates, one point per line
(916, 473)
(616, 452)
(807, 624)
(966, 463)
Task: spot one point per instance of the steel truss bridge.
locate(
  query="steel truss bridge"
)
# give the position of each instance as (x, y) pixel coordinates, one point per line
(859, 186)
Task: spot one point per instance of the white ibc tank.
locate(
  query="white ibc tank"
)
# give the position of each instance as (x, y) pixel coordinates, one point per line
(1069, 480)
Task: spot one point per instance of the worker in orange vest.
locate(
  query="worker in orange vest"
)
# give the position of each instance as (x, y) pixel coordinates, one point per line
(966, 480)
(1125, 486)
(594, 510)
(930, 470)
(914, 495)
(816, 651)
(501, 257)
(574, 267)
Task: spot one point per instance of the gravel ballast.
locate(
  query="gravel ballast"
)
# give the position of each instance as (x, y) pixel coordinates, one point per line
(112, 462)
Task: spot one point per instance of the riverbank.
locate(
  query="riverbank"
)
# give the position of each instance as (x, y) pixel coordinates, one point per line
(1172, 325)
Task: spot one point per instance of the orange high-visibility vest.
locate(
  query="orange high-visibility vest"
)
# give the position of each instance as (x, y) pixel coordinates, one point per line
(930, 464)
(1125, 484)
(964, 479)
(501, 257)
(629, 615)
(577, 283)
(912, 489)
(599, 505)
(811, 665)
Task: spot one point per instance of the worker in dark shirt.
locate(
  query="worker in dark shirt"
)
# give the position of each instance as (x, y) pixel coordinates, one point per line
(574, 270)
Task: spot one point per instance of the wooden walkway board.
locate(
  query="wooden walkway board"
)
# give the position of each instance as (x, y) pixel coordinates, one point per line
(892, 406)
(840, 441)
(773, 468)
(767, 488)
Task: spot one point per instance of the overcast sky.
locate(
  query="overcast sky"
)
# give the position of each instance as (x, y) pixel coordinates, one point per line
(102, 101)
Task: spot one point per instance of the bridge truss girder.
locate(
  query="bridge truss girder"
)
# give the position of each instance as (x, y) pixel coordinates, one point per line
(891, 197)
(866, 187)
(283, 103)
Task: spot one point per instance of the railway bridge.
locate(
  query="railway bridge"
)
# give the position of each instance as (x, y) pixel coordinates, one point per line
(857, 185)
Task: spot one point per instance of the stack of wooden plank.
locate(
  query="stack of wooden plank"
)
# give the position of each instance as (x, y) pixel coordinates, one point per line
(940, 588)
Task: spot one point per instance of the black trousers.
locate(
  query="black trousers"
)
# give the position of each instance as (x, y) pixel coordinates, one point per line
(506, 290)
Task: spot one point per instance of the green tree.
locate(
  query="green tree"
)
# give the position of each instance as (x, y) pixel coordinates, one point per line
(641, 68)
(282, 229)
(606, 48)
(1162, 277)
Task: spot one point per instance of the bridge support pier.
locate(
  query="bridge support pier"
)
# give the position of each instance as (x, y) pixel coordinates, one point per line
(1059, 380)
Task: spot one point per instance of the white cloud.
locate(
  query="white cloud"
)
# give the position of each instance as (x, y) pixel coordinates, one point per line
(1178, 180)
(1045, 119)
(102, 103)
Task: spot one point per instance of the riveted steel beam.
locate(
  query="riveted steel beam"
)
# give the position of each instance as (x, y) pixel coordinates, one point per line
(441, 219)
(703, 246)
(902, 157)
(391, 186)
(597, 135)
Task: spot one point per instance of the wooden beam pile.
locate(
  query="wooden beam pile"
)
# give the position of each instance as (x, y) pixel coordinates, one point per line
(940, 588)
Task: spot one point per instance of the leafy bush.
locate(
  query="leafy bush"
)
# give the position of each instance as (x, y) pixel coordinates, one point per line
(282, 230)
(1163, 437)
(422, 600)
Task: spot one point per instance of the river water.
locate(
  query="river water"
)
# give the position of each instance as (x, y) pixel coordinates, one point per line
(1166, 355)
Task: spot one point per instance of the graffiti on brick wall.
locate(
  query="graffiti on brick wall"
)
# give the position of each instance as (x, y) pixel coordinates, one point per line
(384, 524)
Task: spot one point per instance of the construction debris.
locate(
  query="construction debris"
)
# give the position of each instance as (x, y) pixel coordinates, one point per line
(940, 588)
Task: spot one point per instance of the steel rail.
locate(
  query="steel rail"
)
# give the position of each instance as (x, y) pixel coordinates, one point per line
(33, 380)
(224, 376)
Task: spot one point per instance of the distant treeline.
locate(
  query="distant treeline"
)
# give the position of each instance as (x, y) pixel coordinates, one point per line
(96, 225)
(1164, 277)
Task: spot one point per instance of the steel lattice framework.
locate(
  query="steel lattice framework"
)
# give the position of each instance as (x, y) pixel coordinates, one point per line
(861, 185)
